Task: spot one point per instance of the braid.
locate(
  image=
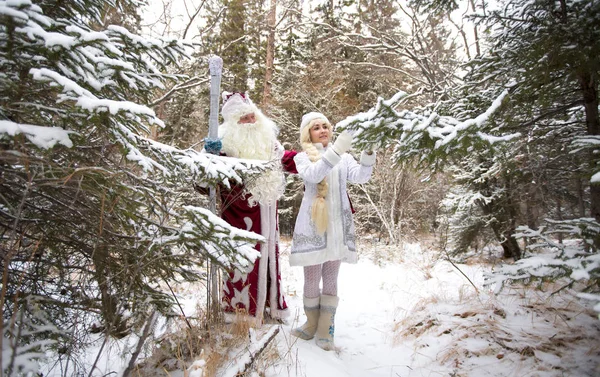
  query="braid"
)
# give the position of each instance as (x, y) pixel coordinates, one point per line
(319, 213)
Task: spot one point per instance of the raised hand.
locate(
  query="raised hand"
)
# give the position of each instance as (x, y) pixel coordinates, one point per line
(342, 143)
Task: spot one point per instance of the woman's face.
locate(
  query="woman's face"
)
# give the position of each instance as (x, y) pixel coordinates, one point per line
(319, 132)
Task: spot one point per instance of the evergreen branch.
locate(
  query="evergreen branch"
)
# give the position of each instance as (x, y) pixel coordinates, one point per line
(417, 134)
(551, 113)
(178, 304)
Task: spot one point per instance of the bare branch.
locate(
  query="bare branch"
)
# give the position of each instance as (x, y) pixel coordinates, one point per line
(149, 325)
(195, 81)
(389, 68)
(383, 219)
(192, 17)
(461, 30)
(211, 26)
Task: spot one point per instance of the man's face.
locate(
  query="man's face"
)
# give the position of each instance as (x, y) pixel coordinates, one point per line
(248, 118)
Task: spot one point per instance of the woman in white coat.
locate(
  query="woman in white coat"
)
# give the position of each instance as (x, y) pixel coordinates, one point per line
(324, 231)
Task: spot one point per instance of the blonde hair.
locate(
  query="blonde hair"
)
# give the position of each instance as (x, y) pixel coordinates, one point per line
(319, 213)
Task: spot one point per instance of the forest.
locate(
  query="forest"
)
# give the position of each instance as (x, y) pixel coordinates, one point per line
(484, 115)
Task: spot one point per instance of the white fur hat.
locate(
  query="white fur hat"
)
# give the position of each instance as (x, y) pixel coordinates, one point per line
(236, 105)
(309, 117)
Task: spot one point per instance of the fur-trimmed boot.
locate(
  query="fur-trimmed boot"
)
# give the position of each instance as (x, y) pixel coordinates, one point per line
(309, 328)
(326, 326)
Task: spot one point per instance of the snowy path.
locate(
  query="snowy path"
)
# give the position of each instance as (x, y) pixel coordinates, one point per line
(448, 328)
(373, 299)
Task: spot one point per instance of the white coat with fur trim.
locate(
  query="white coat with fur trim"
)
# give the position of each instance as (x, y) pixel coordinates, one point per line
(338, 241)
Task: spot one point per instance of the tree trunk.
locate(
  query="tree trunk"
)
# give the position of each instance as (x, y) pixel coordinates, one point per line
(266, 98)
(504, 227)
(510, 245)
(590, 103)
(559, 213)
(475, 33)
(581, 205)
(509, 242)
(580, 197)
(114, 323)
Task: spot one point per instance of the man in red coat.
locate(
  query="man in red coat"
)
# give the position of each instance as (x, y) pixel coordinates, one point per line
(247, 133)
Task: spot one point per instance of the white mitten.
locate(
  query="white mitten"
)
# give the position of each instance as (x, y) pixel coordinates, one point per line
(342, 143)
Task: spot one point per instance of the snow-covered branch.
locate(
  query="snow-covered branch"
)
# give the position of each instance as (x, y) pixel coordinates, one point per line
(420, 134)
(568, 258)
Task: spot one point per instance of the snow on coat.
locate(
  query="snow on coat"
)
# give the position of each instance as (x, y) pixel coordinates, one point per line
(338, 242)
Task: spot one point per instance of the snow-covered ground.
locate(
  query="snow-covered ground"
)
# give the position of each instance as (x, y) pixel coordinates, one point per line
(405, 312)
(408, 314)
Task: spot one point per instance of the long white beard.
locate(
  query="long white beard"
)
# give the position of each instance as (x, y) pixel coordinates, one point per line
(267, 187)
(256, 141)
(250, 140)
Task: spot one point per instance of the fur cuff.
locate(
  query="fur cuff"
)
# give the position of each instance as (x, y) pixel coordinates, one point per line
(331, 157)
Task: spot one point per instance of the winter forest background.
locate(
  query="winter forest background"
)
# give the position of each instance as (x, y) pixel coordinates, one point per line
(484, 115)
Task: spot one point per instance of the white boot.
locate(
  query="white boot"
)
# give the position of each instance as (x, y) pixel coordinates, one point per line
(309, 328)
(326, 325)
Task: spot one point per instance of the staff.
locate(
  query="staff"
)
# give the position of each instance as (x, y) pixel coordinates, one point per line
(215, 64)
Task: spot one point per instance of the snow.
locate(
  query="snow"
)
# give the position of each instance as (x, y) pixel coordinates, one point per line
(197, 368)
(494, 139)
(11, 12)
(448, 134)
(406, 311)
(255, 346)
(403, 309)
(42, 137)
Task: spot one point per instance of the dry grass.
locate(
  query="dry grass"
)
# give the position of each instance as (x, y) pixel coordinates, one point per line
(269, 357)
(287, 359)
(213, 343)
(234, 338)
(175, 350)
(519, 326)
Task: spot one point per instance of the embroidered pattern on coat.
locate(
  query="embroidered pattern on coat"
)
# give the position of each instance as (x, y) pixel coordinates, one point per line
(302, 240)
(347, 220)
(238, 275)
(241, 297)
(349, 236)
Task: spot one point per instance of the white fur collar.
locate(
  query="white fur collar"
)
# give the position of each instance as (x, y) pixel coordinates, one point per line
(320, 147)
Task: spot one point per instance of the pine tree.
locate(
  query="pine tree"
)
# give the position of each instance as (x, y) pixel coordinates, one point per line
(234, 44)
(292, 52)
(548, 53)
(91, 222)
(484, 204)
(542, 63)
(257, 30)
